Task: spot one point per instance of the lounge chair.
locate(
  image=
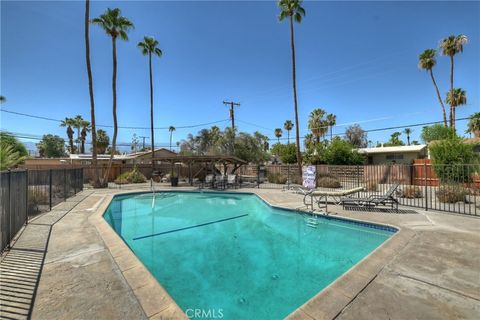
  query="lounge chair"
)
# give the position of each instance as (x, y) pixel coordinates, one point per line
(374, 200)
(321, 197)
(208, 181)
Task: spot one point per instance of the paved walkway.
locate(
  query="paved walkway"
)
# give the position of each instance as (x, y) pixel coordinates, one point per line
(60, 266)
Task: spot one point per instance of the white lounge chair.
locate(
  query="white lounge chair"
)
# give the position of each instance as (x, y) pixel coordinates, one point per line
(321, 197)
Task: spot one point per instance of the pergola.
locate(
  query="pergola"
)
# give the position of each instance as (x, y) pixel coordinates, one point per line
(208, 161)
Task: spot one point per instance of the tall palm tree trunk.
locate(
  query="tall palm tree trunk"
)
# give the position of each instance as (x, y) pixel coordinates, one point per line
(151, 111)
(90, 90)
(171, 132)
(439, 99)
(114, 109)
(294, 76)
(288, 136)
(452, 108)
(331, 133)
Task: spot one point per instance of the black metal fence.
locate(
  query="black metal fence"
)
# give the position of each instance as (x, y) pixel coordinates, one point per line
(450, 188)
(26, 193)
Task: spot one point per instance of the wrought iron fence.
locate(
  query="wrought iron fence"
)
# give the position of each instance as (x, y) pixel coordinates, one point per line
(26, 193)
(450, 188)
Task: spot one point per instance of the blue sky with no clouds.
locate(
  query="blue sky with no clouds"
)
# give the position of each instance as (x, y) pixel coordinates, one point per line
(357, 60)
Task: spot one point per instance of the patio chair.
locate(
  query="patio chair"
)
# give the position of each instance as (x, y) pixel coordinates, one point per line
(321, 197)
(374, 200)
(208, 181)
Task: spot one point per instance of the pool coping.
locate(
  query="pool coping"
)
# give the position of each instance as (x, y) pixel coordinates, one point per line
(326, 304)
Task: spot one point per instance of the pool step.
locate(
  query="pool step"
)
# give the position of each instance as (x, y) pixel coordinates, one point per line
(311, 222)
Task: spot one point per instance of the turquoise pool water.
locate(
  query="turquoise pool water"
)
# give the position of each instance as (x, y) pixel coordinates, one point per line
(235, 256)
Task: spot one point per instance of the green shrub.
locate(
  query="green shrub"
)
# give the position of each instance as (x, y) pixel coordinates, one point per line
(328, 181)
(437, 132)
(133, 176)
(36, 197)
(453, 160)
(371, 185)
(276, 178)
(411, 192)
(452, 194)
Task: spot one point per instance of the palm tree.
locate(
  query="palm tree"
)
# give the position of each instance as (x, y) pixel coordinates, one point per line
(309, 140)
(149, 47)
(408, 132)
(426, 61)
(78, 123)
(288, 125)
(456, 98)
(90, 91)
(474, 124)
(317, 124)
(450, 46)
(83, 135)
(331, 121)
(103, 140)
(68, 122)
(114, 26)
(171, 129)
(2, 99)
(292, 9)
(278, 134)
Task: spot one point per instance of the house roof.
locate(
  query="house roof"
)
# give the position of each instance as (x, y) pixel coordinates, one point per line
(118, 156)
(396, 149)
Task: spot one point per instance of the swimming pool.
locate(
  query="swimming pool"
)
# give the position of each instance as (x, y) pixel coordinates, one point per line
(233, 255)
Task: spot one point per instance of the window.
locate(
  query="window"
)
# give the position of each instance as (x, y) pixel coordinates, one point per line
(392, 157)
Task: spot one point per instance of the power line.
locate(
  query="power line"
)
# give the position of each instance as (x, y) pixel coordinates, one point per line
(120, 127)
(232, 111)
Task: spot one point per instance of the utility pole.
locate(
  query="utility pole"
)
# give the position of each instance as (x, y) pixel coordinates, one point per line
(232, 112)
(143, 143)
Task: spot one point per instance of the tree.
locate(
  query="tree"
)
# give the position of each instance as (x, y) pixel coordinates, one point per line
(148, 47)
(9, 140)
(114, 26)
(408, 132)
(331, 121)
(436, 132)
(356, 136)
(426, 62)
(340, 152)
(293, 10)
(450, 46)
(68, 122)
(90, 92)
(12, 151)
(287, 153)
(51, 146)
(456, 97)
(288, 125)
(451, 159)
(79, 123)
(474, 124)
(278, 134)
(317, 124)
(3, 99)
(83, 135)
(103, 140)
(394, 140)
(9, 158)
(171, 129)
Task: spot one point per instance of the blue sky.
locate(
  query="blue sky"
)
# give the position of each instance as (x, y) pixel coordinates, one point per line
(357, 60)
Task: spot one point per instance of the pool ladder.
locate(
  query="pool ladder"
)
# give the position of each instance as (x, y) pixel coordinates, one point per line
(311, 222)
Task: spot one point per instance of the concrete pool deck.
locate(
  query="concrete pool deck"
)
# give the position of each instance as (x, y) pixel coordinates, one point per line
(69, 264)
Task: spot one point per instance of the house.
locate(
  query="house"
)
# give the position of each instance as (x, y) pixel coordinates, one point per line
(397, 154)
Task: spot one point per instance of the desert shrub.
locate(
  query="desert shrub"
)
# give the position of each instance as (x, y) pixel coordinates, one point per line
(453, 161)
(328, 181)
(133, 176)
(451, 194)
(371, 185)
(411, 192)
(276, 178)
(36, 197)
